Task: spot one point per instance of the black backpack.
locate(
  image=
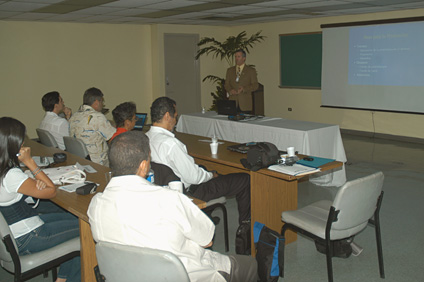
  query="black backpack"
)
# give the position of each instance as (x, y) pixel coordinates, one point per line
(243, 239)
(341, 248)
(261, 155)
(269, 252)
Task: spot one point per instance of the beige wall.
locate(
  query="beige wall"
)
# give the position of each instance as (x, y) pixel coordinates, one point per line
(208, 66)
(126, 62)
(306, 103)
(68, 57)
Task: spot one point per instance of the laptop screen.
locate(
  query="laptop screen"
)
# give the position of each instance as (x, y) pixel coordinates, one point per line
(141, 120)
(227, 107)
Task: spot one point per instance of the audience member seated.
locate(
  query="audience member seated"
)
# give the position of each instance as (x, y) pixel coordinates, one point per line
(124, 117)
(133, 211)
(58, 126)
(204, 185)
(33, 232)
(92, 127)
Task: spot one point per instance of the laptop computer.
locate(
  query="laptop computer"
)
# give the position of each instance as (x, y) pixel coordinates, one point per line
(141, 120)
(227, 107)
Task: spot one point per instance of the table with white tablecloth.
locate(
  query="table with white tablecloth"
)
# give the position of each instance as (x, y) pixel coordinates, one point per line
(308, 138)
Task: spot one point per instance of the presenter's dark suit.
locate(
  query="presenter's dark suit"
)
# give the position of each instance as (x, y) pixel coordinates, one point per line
(248, 80)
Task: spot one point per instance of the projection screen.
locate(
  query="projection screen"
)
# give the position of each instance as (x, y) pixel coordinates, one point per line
(374, 67)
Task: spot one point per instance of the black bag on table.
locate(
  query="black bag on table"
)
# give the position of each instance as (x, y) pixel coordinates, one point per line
(243, 239)
(261, 155)
(269, 252)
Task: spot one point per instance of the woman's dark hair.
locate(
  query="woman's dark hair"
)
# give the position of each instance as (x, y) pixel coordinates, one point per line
(12, 136)
(123, 112)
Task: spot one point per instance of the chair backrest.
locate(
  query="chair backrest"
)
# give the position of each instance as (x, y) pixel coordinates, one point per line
(46, 138)
(5, 256)
(357, 201)
(163, 174)
(129, 263)
(75, 146)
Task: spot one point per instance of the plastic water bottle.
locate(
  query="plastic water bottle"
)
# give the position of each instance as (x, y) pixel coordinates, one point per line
(151, 176)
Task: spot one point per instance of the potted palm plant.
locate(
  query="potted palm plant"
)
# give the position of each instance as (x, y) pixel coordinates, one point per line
(225, 51)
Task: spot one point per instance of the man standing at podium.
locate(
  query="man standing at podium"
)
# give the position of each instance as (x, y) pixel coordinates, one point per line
(241, 80)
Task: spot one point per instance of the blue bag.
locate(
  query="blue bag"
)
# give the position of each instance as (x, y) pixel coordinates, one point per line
(269, 252)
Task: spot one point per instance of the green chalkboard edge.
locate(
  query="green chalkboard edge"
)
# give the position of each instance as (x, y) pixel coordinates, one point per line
(300, 33)
(295, 86)
(299, 87)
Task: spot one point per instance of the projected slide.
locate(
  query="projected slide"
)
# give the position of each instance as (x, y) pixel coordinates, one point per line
(390, 54)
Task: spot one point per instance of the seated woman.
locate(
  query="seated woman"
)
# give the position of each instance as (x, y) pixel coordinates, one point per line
(32, 232)
(124, 117)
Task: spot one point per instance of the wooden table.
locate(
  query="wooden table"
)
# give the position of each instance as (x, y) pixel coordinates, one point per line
(271, 192)
(78, 204)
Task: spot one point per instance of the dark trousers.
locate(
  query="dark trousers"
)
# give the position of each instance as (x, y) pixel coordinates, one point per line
(234, 184)
(243, 269)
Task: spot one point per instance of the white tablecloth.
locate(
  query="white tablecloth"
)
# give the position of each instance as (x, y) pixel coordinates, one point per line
(309, 138)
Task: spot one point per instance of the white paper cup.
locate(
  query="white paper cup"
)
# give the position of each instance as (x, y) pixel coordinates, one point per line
(176, 186)
(214, 148)
(290, 151)
(108, 176)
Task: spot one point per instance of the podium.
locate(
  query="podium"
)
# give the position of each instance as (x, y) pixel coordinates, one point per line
(258, 101)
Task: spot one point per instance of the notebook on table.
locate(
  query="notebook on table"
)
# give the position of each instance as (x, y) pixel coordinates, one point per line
(315, 162)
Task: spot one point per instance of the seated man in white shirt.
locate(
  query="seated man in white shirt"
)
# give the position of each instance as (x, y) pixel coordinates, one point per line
(202, 184)
(58, 126)
(133, 211)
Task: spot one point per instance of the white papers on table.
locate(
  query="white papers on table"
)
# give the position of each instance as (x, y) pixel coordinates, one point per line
(295, 170)
(87, 168)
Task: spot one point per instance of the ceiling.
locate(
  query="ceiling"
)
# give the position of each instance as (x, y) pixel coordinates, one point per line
(191, 12)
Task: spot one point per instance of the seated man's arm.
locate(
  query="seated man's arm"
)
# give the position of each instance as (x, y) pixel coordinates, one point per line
(104, 127)
(184, 166)
(198, 227)
(64, 128)
(208, 245)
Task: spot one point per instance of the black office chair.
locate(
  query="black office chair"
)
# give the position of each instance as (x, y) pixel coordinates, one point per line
(25, 267)
(164, 175)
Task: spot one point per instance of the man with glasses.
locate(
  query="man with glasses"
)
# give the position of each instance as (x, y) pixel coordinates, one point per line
(92, 127)
(240, 81)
